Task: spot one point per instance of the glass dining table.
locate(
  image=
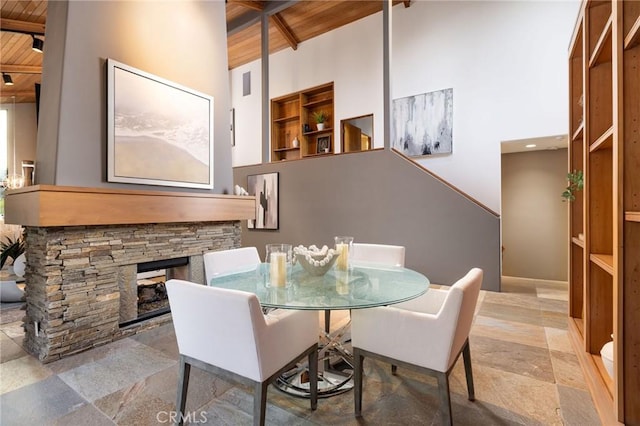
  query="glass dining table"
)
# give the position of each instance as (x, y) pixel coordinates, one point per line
(364, 285)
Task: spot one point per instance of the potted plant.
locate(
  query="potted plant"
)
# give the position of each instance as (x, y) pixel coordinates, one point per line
(13, 249)
(576, 183)
(320, 117)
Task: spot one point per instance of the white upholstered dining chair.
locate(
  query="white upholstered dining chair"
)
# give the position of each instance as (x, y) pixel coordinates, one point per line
(225, 333)
(426, 334)
(383, 254)
(378, 253)
(223, 261)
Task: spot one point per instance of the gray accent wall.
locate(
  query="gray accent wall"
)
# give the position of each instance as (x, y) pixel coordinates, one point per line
(81, 35)
(380, 197)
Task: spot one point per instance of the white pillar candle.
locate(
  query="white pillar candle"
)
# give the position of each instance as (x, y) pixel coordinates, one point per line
(342, 263)
(278, 269)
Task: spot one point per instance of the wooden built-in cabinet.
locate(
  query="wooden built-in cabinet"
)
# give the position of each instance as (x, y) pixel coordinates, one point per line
(290, 114)
(604, 245)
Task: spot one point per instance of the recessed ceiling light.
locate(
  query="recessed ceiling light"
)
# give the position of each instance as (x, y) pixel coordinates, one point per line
(531, 145)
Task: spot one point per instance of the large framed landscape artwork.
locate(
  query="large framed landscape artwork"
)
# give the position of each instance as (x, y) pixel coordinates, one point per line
(158, 132)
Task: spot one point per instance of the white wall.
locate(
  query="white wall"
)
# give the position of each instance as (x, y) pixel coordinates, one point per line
(506, 63)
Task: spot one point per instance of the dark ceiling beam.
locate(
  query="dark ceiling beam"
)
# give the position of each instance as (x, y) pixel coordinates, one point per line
(21, 69)
(22, 27)
(284, 30)
(406, 3)
(253, 17)
(250, 4)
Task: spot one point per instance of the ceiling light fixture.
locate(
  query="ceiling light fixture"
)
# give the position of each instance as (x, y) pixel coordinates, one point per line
(8, 81)
(531, 145)
(38, 44)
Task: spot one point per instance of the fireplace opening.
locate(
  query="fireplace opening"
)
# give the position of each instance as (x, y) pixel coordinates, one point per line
(147, 297)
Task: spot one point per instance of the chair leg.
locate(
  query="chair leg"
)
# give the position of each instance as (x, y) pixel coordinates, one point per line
(313, 379)
(466, 356)
(445, 399)
(260, 403)
(183, 384)
(357, 379)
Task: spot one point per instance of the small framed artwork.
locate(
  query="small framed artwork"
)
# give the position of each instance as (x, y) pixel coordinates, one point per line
(232, 125)
(266, 187)
(324, 144)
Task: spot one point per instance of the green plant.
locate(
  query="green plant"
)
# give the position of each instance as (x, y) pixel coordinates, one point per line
(576, 183)
(320, 116)
(11, 249)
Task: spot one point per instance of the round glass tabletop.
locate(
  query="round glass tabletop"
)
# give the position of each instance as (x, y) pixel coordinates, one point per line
(364, 286)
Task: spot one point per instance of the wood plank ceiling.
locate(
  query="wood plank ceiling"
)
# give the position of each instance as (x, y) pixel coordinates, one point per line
(290, 23)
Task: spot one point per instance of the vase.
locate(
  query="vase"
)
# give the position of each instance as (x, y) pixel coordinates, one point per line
(19, 265)
(320, 126)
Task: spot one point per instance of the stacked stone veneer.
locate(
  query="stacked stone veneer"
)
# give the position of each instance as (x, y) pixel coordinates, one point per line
(72, 289)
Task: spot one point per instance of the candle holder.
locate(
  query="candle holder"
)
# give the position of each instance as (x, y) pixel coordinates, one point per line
(280, 258)
(343, 247)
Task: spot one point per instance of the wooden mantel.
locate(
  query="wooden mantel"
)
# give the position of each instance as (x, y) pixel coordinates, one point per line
(50, 205)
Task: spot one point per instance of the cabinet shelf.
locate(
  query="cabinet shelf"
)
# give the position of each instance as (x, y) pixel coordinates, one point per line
(602, 51)
(319, 154)
(605, 141)
(604, 269)
(285, 119)
(318, 102)
(632, 39)
(604, 261)
(578, 133)
(290, 115)
(632, 216)
(318, 132)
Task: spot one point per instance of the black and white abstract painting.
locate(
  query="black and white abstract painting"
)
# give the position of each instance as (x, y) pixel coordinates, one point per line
(159, 132)
(423, 124)
(265, 187)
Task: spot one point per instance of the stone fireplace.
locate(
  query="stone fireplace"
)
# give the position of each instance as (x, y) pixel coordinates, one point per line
(79, 274)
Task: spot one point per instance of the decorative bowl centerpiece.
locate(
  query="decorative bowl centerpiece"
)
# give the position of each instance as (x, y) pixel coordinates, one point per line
(314, 260)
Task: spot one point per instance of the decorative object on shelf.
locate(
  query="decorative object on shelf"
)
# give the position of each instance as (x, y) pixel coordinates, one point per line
(238, 190)
(314, 260)
(576, 183)
(423, 124)
(12, 249)
(265, 186)
(321, 117)
(306, 128)
(324, 144)
(158, 132)
(295, 142)
(606, 354)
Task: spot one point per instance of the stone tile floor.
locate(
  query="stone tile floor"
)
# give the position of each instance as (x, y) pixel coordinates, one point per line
(525, 372)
